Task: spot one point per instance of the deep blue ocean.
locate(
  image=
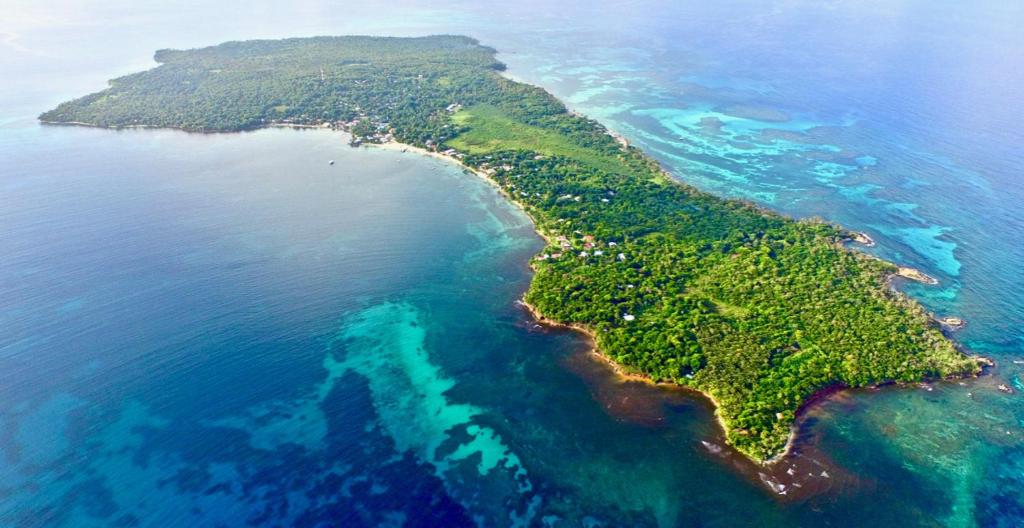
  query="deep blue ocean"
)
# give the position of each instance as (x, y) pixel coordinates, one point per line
(224, 330)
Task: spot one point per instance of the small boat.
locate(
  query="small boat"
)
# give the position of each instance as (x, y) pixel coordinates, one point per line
(330, 162)
(1005, 388)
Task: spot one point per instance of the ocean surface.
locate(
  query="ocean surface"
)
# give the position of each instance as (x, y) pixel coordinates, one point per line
(224, 330)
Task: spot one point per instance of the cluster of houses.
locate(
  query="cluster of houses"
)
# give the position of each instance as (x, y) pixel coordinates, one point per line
(452, 153)
(578, 198)
(383, 134)
(589, 248)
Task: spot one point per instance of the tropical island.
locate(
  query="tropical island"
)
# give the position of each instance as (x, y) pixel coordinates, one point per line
(755, 310)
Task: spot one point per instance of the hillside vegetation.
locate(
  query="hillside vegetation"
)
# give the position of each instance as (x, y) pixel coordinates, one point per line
(753, 309)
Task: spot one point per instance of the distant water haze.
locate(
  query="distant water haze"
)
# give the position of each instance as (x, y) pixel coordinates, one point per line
(200, 329)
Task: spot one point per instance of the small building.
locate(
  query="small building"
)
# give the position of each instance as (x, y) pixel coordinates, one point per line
(629, 317)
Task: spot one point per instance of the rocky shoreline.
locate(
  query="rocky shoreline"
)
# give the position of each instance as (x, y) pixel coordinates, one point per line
(916, 275)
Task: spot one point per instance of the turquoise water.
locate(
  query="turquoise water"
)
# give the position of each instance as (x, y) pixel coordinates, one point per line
(224, 330)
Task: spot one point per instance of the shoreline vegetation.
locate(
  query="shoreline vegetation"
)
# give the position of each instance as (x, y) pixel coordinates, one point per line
(758, 312)
(622, 374)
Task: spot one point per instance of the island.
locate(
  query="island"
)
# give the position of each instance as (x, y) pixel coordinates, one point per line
(757, 311)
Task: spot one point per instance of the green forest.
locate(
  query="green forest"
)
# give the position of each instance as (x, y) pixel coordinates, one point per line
(754, 309)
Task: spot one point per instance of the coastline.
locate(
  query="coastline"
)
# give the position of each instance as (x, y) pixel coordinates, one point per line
(915, 274)
(395, 146)
(619, 371)
(107, 127)
(324, 126)
(862, 238)
(623, 375)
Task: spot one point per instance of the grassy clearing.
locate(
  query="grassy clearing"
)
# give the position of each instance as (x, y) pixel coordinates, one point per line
(491, 130)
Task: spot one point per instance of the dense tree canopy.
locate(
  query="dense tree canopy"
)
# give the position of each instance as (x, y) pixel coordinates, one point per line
(754, 309)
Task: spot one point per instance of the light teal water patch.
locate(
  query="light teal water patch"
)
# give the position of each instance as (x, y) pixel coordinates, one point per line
(609, 111)
(711, 160)
(864, 193)
(594, 71)
(947, 435)
(385, 343)
(595, 87)
(493, 234)
(904, 209)
(704, 172)
(867, 161)
(940, 298)
(735, 149)
(591, 92)
(860, 193)
(691, 116)
(925, 242)
(827, 171)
